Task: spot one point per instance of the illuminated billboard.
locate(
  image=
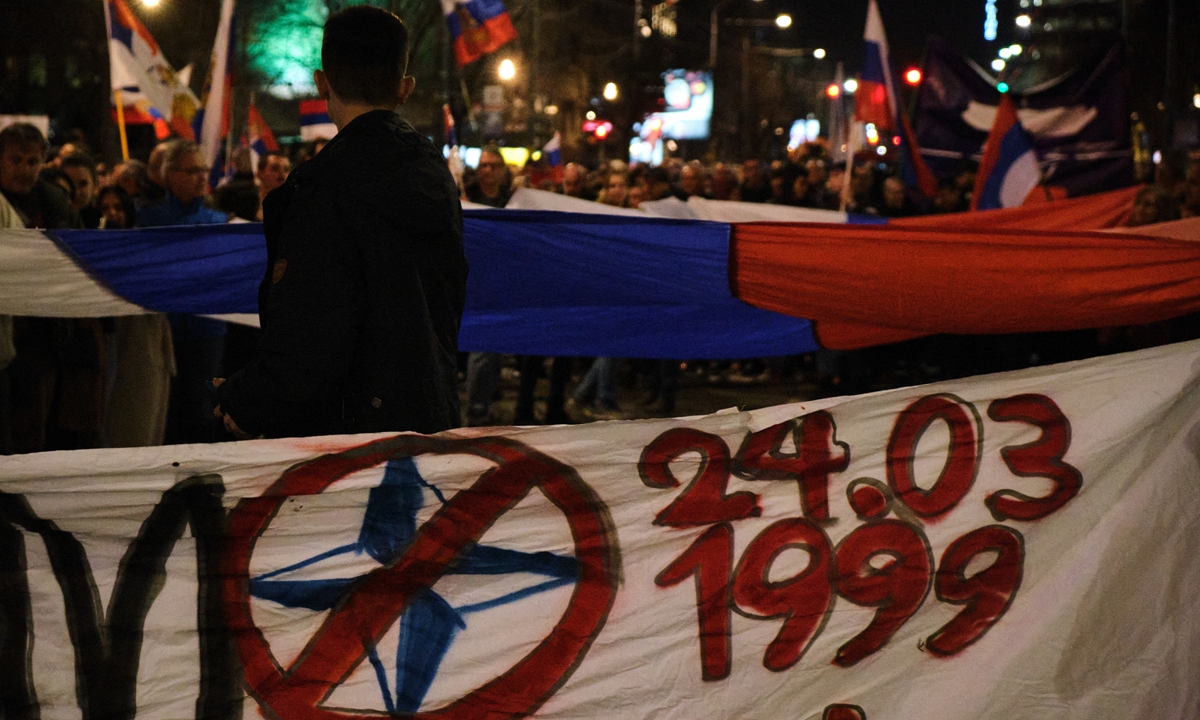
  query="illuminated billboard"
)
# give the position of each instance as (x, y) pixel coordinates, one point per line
(689, 104)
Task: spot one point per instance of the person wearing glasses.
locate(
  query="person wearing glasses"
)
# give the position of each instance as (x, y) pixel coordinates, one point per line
(199, 342)
(492, 180)
(186, 181)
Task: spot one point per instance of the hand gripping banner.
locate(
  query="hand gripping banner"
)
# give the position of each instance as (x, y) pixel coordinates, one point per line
(1011, 546)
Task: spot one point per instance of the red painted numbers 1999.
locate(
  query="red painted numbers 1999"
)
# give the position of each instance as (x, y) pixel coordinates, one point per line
(886, 563)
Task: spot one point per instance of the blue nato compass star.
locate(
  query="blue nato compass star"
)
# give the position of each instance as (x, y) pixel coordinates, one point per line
(430, 623)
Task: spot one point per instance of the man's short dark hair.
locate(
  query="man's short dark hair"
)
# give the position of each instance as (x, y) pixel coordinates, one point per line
(22, 134)
(365, 54)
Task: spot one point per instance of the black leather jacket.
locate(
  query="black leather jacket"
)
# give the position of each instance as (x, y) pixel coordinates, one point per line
(363, 294)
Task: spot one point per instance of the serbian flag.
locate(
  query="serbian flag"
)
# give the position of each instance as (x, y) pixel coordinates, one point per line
(477, 27)
(1008, 170)
(137, 65)
(262, 140)
(314, 121)
(211, 123)
(875, 102)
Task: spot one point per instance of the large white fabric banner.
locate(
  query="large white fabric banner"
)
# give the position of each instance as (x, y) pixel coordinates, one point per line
(1015, 546)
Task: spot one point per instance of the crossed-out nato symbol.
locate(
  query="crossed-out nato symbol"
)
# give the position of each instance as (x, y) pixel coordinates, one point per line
(429, 624)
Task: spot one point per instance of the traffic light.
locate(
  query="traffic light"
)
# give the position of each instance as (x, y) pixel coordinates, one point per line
(833, 90)
(912, 76)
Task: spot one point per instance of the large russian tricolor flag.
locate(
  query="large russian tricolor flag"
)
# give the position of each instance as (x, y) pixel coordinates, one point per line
(875, 102)
(478, 27)
(1008, 170)
(565, 283)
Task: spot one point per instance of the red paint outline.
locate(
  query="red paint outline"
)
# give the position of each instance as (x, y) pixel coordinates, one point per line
(363, 616)
(963, 456)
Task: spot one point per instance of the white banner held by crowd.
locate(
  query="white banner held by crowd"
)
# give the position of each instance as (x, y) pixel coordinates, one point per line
(1014, 546)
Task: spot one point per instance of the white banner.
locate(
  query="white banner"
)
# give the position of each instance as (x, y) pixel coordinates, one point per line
(1014, 546)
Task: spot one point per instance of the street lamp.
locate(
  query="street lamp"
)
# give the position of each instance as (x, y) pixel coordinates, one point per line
(783, 21)
(150, 3)
(850, 86)
(610, 91)
(507, 70)
(1024, 21)
(819, 53)
(712, 32)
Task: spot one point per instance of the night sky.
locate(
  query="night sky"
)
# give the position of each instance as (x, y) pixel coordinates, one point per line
(837, 25)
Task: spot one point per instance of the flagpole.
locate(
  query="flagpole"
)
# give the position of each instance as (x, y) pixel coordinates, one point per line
(851, 143)
(121, 124)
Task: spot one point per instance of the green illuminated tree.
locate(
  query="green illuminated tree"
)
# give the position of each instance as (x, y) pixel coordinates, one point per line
(283, 39)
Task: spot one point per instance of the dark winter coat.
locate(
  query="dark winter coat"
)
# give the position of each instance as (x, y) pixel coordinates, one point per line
(363, 294)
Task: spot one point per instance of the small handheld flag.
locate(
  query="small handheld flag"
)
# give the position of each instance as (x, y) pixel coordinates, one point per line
(211, 123)
(262, 140)
(137, 66)
(876, 102)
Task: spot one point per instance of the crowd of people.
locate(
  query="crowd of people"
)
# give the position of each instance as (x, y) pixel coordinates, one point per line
(808, 178)
(126, 381)
(144, 379)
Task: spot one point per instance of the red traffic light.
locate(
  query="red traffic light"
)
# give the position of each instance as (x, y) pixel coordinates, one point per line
(833, 90)
(912, 76)
(601, 131)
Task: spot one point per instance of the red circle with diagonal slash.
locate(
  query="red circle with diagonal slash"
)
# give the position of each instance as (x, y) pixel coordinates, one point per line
(362, 617)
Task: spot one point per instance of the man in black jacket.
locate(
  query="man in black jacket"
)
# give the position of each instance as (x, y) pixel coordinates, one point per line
(366, 277)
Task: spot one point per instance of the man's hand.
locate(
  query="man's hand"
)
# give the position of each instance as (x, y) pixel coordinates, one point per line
(230, 425)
